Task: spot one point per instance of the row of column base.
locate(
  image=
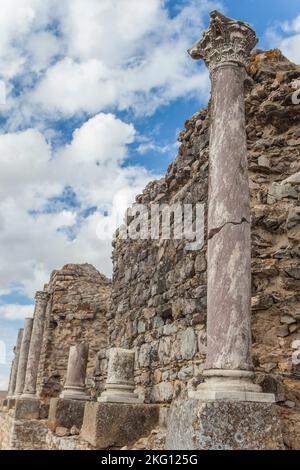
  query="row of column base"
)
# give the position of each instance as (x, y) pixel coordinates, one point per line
(192, 424)
(227, 411)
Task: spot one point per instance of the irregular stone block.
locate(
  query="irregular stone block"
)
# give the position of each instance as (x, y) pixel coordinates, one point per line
(108, 425)
(28, 408)
(11, 403)
(65, 413)
(162, 392)
(223, 425)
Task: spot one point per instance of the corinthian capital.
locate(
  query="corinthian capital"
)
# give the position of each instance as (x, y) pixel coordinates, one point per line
(226, 40)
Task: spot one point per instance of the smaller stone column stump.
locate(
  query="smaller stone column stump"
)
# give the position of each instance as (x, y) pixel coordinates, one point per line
(120, 385)
(67, 410)
(119, 417)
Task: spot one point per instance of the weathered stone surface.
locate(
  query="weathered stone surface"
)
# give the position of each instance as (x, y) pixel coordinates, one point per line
(162, 393)
(290, 427)
(107, 425)
(22, 434)
(226, 40)
(226, 48)
(275, 247)
(150, 277)
(35, 345)
(195, 425)
(120, 384)
(27, 408)
(62, 432)
(55, 442)
(3, 403)
(76, 312)
(296, 353)
(15, 365)
(74, 388)
(229, 294)
(65, 413)
(11, 402)
(24, 351)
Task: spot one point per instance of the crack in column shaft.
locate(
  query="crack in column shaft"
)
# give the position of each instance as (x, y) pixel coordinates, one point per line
(214, 231)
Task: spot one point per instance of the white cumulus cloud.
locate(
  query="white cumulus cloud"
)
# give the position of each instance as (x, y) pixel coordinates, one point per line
(34, 237)
(286, 36)
(87, 61)
(16, 312)
(87, 56)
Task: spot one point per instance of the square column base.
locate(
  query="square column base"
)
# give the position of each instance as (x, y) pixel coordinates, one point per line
(223, 425)
(28, 408)
(107, 425)
(65, 413)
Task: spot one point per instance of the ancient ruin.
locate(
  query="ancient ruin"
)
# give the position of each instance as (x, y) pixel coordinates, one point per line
(23, 359)
(181, 336)
(74, 387)
(14, 366)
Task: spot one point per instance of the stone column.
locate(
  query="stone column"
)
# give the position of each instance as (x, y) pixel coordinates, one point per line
(120, 378)
(15, 365)
(23, 357)
(35, 345)
(225, 48)
(10, 378)
(74, 388)
(228, 411)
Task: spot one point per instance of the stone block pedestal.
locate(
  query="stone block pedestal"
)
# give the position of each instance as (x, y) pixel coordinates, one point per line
(223, 425)
(28, 408)
(65, 413)
(108, 425)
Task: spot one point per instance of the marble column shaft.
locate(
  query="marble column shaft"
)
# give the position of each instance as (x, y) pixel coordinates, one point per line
(10, 377)
(35, 345)
(229, 239)
(23, 357)
(225, 48)
(15, 365)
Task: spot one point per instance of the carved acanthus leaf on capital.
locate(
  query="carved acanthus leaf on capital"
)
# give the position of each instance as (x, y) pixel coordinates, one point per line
(226, 40)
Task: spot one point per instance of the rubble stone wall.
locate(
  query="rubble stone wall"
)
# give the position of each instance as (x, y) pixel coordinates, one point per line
(76, 312)
(158, 300)
(21, 434)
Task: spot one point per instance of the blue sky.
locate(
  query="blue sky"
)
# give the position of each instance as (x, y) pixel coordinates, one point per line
(96, 94)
